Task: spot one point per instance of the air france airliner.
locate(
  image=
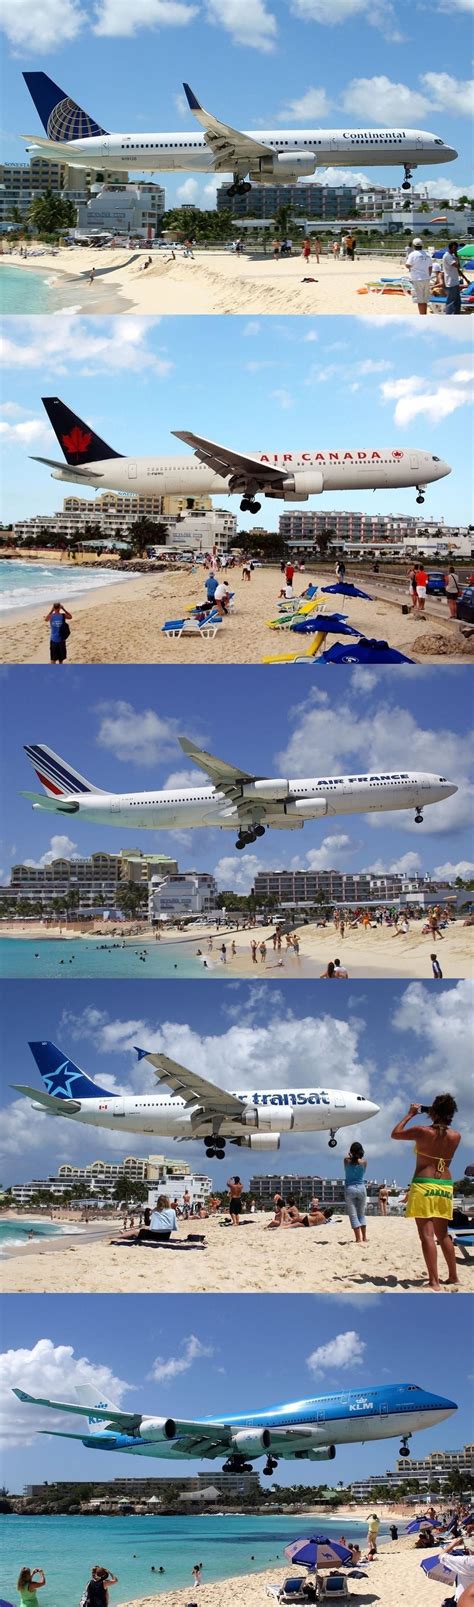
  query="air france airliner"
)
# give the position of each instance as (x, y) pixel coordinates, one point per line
(300, 1431)
(222, 471)
(264, 156)
(233, 799)
(197, 1109)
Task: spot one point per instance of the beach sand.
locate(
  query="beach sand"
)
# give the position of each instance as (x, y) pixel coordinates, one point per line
(394, 1580)
(248, 1260)
(123, 624)
(221, 282)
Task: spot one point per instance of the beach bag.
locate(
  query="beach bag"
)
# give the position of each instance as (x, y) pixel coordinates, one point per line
(65, 631)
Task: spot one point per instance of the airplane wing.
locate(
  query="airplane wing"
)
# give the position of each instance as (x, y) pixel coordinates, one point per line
(228, 145)
(193, 1089)
(193, 1438)
(222, 460)
(112, 1417)
(227, 777)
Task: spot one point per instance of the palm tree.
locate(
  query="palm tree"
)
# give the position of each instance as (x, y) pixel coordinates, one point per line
(52, 214)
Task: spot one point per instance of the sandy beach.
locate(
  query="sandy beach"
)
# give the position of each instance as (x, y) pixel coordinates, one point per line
(249, 1260)
(123, 624)
(394, 1580)
(220, 282)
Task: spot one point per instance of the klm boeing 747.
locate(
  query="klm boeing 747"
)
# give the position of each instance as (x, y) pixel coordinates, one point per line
(264, 156)
(301, 1431)
(232, 799)
(197, 1109)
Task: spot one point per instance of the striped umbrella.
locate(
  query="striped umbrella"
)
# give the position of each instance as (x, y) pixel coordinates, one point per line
(317, 1552)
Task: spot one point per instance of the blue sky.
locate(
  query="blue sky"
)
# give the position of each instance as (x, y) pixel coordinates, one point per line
(255, 63)
(386, 1041)
(120, 728)
(257, 384)
(250, 1353)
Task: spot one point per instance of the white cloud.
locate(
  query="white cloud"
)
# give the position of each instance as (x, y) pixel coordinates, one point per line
(379, 13)
(406, 865)
(379, 100)
(53, 1372)
(313, 104)
(93, 345)
(449, 94)
(121, 18)
(324, 858)
(181, 104)
(364, 680)
(448, 871)
(45, 27)
(252, 328)
(284, 398)
(237, 872)
(188, 190)
(24, 432)
(137, 736)
(416, 397)
(192, 1351)
(182, 778)
(249, 22)
(443, 189)
(441, 1021)
(19, 1133)
(61, 847)
(344, 1351)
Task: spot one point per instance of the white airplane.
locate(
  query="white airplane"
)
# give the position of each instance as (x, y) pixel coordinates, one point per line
(274, 156)
(220, 471)
(305, 1430)
(235, 799)
(197, 1109)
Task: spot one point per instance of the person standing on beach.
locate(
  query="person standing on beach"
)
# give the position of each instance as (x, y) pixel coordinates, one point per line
(420, 268)
(57, 619)
(383, 1200)
(306, 252)
(436, 968)
(452, 590)
(421, 581)
(197, 1571)
(97, 1592)
(355, 1167)
(91, 276)
(29, 1581)
(373, 1526)
(235, 1190)
(453, 278)
(317, 249)
(430, 1196)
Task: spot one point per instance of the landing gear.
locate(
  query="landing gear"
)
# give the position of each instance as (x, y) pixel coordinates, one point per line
(421, 494)
(404, 1448)
(248, 505)
(239, 186)
(332, 1141)
(418, 818)
(215, 1149)
(237, 1464)
(270, 1465)
(408, 177)
(246, 837)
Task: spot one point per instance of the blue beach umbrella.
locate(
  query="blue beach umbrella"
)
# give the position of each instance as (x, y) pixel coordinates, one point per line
(333, 624)
(344, 588)
(317, 1552)
(422, 1523)
(435, 1569)
(364, 651)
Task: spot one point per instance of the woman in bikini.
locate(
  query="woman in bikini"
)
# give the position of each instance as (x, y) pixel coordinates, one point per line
(430, 1196)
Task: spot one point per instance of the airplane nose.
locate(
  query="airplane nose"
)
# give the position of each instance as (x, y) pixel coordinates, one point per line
(445, 1407)
(440, 468)
(450, 789)
(449, 153)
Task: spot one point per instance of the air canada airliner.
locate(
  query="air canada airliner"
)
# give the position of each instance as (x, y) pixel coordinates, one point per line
(305, 1430)
(234, 800)
(274, 156)
(197, 1109)
(222, 471)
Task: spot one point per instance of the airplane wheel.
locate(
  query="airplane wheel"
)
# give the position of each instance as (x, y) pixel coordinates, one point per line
(405, 186)
(210, 1154)
(255, 507)
(232, 190)
(404, 1450)
(243, 188)
(418, 820)
(259, 831)
(239, 845)
(245, 505)
(220, 1154)
(420, 498)
(332, 1143)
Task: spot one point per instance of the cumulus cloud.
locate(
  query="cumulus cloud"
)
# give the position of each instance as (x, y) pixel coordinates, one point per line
(379, 13)
(46, 27)
(284, 398)
(379, 100)
(53, 1372)
(314, 103)
(249, 22)
(119, 18)
(448, 871)
(54, 345)
(406, 865)
(448, 93)
(415, 397)
(188, 190)
(192, 1350)
(344, 1351)
(61, 847)
(137, 736)
(24, 431)
(439, 1024)
(443, 189)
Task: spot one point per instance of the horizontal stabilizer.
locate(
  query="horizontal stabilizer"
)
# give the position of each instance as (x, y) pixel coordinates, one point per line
(79, 473)
(64, 806)
(55, 1107)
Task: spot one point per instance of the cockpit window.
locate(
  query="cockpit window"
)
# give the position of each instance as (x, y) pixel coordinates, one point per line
(439, 141)
(436, 460)
(414, 1386)
(443, 778)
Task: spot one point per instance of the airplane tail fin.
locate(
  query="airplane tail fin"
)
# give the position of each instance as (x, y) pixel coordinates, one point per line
(56, 776)
(61, 1077)
(78, 441)
(62, 118)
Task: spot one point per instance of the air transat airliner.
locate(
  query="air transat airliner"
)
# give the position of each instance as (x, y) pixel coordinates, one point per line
(197, 1108)
(306, 1430)
(273, 156)
(222, 471)
(234, 800)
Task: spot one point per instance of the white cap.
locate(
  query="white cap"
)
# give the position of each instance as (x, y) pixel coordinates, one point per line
(418, 243)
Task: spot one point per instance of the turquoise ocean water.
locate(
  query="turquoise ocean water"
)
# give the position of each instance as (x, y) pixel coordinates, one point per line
(18, 1232)
(23, 584)
(23, 957)
(67, 1547)
(24, 290)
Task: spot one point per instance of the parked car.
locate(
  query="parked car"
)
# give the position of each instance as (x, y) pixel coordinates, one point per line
(465, 605)
(436, 585)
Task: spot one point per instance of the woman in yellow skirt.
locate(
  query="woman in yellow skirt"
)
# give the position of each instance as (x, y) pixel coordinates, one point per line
(430, 1196)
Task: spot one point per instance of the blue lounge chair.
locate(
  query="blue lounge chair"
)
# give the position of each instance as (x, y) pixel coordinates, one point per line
(463, 1239)
(207, 626)
(332, 1587)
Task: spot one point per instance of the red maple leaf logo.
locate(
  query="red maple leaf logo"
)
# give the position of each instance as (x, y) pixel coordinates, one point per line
(77, 442)
(397, 454)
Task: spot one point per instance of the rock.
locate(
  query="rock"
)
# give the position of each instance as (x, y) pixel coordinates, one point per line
(437, 646)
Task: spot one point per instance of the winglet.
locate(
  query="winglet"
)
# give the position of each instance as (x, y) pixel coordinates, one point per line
(142, 1053)
(191, 98)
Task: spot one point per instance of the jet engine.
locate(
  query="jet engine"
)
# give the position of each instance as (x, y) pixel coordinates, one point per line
(157, 1428)
(285, 168)
(251, 1441)
(264, 1141)
(308, 808)
(272, 790)
(302, 484)
(263, 1117)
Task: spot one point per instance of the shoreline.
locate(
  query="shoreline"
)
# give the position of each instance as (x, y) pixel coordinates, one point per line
(393, 1580)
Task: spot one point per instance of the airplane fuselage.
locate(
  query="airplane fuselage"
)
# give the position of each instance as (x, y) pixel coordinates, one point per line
(299, 1110)
(279, 803)
(291, 154)
(306, 473)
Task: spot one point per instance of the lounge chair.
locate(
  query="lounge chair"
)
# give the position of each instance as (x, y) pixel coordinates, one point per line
(332, 1586)
(463, 1239)
(285, 621)
(298, 658)
(207, 627)
(291, 1590)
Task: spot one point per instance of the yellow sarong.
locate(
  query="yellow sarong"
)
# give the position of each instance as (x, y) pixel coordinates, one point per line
(430, 1197)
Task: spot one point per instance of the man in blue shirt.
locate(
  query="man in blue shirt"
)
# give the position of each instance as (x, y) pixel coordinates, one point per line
(57, 619)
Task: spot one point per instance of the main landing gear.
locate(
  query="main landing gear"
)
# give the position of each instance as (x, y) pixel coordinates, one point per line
(404, 1448)
(237, 1464)
(239, 186)
(215, 1148)
(418, 818)
(408, 176)
(270, 1465)
(248, 505)
(332, 1141)
(421, 494)
(246, 837)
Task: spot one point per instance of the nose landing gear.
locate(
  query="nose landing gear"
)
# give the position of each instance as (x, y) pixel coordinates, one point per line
(404, 1448)
(332, 1141)
(418, 818)
(408, 171)
(421, 493)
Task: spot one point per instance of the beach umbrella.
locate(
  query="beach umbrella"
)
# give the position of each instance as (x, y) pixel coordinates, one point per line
(423, 1523)
(317, 1552)
(455, 1564)
(365, 651)
(6, 1604)
(344, 588)
(435, 1569)
(334, 624)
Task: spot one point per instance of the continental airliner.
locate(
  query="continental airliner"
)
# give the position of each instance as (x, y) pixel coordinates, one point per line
(273, 156)
(233, 799)
(222, 471)
(197, 1109)
(304, 1430)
